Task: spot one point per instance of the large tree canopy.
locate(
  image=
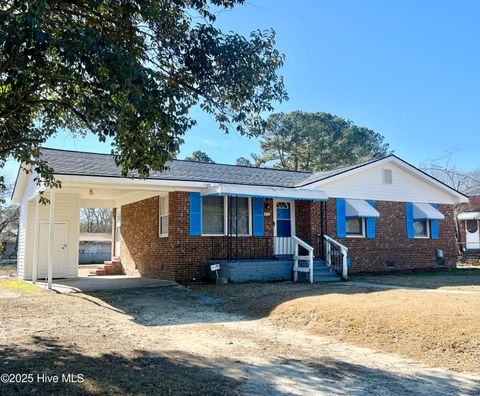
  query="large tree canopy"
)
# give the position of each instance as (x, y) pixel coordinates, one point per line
(316, 141)
(200, 156)
(128, 70)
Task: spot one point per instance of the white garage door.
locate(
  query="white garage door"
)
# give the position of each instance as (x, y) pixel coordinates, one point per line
(60, 238)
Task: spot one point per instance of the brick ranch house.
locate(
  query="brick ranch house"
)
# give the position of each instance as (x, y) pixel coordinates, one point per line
(469, 223)
(259, 224)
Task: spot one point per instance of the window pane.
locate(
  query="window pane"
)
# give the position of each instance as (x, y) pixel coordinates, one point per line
(163, 206)
(354, 226)
(284, 228)
(472, 226)
(213, 217)
(243, 216)
(164, 225)
(420, 228)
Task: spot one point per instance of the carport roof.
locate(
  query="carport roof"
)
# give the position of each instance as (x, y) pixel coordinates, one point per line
(65, 162)
(103, 165)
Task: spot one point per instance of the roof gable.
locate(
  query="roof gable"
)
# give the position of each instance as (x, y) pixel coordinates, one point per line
(410, 184)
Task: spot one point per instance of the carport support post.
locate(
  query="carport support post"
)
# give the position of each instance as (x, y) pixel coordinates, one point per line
(51, 225)
(35, 240)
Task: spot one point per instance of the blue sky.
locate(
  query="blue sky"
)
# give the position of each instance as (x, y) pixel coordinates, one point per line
(406, 69)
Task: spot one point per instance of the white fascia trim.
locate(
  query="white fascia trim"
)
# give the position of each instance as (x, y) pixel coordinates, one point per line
(20, 184)
(126, 182)
(406, 166)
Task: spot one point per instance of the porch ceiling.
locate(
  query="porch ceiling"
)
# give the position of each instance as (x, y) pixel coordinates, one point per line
(98, 197)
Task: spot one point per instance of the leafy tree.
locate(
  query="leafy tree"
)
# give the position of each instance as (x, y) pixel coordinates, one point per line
(243, 161)
(316, 141)
(128, 70)
(9, 214)
(200, 156)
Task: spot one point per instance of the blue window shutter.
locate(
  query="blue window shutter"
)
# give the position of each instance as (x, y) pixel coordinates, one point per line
(434, 232)
(409, 214)
(258, 223)
(341, 218)
(195, 214)
(371, 223)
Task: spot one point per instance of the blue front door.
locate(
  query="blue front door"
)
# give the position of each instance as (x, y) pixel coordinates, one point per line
(284, 219)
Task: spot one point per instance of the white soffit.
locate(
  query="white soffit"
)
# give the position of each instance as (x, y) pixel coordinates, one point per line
(423, 211)
(360, 208)
(265, 192)
(469, 216)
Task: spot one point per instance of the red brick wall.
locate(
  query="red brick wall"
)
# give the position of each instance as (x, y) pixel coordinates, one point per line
(307, 217)
(141, 249)
(182, 257)
(474, 202)
(178, 256)
(391, 243)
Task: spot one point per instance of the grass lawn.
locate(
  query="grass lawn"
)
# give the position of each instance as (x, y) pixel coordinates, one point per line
(18, 285)
(441, 330)
(462, 278)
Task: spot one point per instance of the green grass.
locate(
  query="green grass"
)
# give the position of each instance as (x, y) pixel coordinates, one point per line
(14, 284)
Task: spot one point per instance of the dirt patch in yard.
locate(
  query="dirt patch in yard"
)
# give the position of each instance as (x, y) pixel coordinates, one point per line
(7, 270)
(466, 278)
(439, 330)
(213, 340)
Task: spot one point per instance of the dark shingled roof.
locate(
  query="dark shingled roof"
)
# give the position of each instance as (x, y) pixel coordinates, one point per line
(78, 163)
(65, 162)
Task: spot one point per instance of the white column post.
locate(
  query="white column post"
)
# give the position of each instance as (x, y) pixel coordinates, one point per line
(295, 263)
(310, 264)
(345, 263)
(51, 226)
(35, 240)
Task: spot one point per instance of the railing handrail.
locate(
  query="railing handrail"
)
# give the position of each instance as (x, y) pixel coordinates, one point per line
(342, 249)
(302, 243)
(334, 242)
(298, 242)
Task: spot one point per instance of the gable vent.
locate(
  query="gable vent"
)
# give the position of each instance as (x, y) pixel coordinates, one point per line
(387, 176)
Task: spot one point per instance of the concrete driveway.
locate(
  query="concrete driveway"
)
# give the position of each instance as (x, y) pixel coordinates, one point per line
(89, 284)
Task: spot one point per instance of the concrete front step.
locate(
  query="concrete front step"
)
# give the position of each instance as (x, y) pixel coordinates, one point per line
(324, 279)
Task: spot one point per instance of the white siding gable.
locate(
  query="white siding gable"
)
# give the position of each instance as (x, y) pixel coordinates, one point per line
(369, 183)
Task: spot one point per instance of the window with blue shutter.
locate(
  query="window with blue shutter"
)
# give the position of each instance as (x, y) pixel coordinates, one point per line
(195, 214)
(409, 216)
(341, 218)
(370, 223)
(258, 222)
(434, 231)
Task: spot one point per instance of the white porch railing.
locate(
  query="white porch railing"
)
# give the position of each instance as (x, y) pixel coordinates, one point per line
(296, 258)
(336, 256)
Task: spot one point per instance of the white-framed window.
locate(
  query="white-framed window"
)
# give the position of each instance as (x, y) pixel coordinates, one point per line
(213, 215)
(355, 227)
(163, 216)
(421, 229)
(215, 219)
